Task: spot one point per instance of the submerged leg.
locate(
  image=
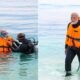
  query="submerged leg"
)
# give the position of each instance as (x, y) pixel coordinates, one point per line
(68, 60)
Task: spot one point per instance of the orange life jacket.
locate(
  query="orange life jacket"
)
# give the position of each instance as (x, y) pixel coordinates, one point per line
(9, 38)
(73, 36)
(4, 45)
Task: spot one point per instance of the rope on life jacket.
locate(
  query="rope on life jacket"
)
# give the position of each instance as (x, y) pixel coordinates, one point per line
(77, 39)
(4, 46)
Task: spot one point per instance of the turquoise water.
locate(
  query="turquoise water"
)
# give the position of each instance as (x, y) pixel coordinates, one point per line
(53, 20)
(18, 67)
(19, 16)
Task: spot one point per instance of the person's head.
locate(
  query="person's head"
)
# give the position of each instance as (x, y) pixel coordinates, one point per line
(74, 18)
(4, 33)
(21, 37)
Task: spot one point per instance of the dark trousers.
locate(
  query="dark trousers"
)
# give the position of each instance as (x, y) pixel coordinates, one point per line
(71, 52)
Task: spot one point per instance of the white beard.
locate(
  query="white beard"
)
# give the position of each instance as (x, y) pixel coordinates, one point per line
(74, 22)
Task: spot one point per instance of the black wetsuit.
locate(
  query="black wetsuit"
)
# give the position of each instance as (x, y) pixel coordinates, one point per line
(25, 47)
(71, 52)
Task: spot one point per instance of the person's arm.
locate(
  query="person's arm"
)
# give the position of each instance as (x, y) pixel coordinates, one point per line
(66, 39)
(66, 35)
(14, 48)
(15, 44)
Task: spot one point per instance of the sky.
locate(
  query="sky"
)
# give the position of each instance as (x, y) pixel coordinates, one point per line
(60, 2)
(57, 11)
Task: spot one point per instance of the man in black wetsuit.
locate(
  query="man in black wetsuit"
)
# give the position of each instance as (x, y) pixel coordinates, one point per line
(26, 45)
(72, 45)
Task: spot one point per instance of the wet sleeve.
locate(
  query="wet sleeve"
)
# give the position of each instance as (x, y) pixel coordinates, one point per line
(66, 45)
(15, 49)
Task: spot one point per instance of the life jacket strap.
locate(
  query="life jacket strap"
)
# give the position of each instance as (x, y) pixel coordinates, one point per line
(4, 47)
(77, 39)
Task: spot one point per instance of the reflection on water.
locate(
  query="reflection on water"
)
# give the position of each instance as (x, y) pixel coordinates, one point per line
(67, 78)
(77, 77)
(26, 69)
(18, 67)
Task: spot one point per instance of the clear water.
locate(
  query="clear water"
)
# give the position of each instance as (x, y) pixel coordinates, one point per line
(18, 66)
(53, 20)
(19, 16)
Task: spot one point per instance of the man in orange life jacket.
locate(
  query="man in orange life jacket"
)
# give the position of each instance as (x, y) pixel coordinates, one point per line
(11, 43)
(4, 47)
(72, 45)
